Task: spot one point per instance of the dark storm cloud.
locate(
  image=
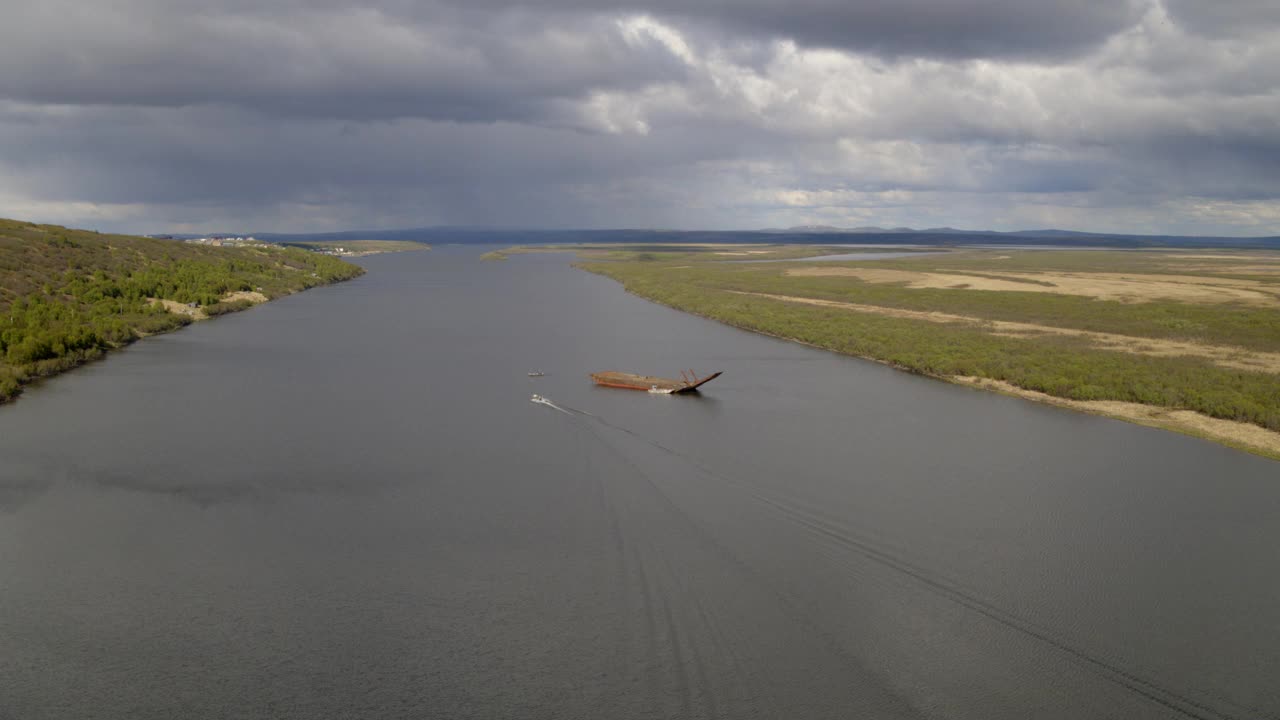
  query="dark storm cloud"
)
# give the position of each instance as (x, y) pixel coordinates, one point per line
(458, 62)
(329, 59)
(411, 172)
(1226, 17)
(148, 114)
(929, 28)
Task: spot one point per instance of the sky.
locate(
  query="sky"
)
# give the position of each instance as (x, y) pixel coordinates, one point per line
(1128, 116)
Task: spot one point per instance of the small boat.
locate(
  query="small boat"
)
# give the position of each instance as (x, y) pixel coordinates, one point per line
(536, 373)
(688, 383)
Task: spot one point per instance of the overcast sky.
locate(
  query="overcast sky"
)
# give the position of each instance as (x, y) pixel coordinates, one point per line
(1151, 116)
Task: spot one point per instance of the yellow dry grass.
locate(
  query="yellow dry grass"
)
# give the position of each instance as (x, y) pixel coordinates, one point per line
(1222, 355)
(251, 296)
(178, 308)
(1123, 287)
(196, 313)
(1229, 432)
(1237, 257)
(1233, 269)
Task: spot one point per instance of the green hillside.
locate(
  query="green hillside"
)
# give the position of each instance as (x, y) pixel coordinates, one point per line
(68, 296)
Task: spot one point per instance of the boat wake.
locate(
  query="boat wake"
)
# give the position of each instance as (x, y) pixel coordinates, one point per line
(544, 401)
(1187, 704)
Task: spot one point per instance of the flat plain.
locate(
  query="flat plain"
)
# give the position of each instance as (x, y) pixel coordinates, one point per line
(1185, 340)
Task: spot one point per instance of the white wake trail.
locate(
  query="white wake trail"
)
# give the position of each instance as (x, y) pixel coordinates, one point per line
(544, 401)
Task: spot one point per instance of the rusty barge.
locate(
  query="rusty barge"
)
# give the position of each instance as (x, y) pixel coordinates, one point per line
(689, 382)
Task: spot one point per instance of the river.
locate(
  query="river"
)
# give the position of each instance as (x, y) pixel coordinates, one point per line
(343, 505)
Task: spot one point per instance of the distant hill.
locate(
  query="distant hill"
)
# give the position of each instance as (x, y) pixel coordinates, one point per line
(803, 235)
(68, 296)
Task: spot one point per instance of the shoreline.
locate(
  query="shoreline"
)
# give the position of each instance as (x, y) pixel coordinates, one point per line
(1236, 435)
(70, 296)
(234, 302)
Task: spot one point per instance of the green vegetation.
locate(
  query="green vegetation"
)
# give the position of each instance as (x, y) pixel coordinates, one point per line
(890, 320)
(358, 248)
(1225, 324)
(225, 307)
(68, 296)
(677, 252)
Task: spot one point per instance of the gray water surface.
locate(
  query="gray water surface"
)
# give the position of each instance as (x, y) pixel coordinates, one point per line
(343, 505)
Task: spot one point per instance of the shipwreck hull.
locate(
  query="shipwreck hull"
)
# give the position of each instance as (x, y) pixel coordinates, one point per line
(630, 381)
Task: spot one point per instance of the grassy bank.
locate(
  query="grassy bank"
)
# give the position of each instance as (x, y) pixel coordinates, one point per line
(1178, 333)
(68, 296)
(359, 248)
(680, 252)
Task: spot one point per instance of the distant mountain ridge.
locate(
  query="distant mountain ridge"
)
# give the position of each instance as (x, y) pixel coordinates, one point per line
(956, 231)
(799, 235)
(836, 229)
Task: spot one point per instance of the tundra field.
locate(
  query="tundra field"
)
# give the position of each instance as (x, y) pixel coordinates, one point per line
(1182, 339)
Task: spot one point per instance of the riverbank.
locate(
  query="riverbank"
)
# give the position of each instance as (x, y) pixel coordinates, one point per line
(70, 296)
(1183, 341)
(676, 252)
(358, 248)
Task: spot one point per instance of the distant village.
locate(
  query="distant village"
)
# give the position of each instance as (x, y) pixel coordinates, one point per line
(250, 241)
(227, 241)
(216, 240)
